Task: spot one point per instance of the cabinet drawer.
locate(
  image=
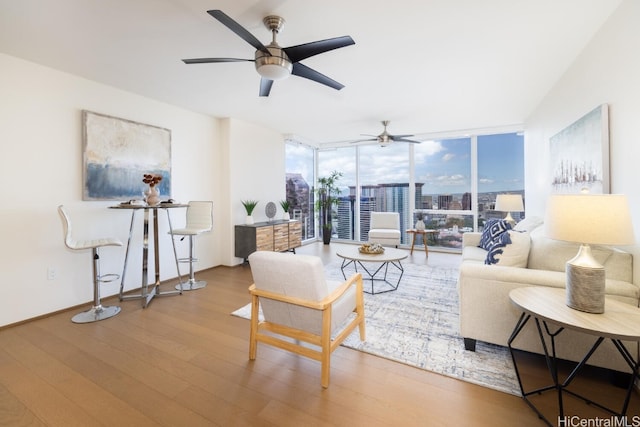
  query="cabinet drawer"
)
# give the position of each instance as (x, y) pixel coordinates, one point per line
(281, 237)
(295, 234)
(264, 239)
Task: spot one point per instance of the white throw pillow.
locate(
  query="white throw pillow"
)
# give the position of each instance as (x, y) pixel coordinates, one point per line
(515, 254)
(529, 223)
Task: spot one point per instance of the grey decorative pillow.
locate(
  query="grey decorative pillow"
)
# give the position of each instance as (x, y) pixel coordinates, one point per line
(496, 247)
(492, 231)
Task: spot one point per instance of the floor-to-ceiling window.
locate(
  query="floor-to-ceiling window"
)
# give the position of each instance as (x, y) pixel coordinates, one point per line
(453, 182)
(299, 181)
(443, 183)
(343, 160)
(384, 184)
(500, 171)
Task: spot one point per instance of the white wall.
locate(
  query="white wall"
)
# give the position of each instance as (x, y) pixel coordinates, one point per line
(41, 167)
(257, 171)
(605, 72)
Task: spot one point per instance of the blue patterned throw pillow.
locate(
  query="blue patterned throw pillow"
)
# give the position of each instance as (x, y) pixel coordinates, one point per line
(495, 247)
(493, 228)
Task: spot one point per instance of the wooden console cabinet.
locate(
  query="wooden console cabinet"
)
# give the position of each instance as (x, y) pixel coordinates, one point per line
(276, 236)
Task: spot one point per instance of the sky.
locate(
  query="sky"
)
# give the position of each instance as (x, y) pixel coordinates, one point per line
(443, 166)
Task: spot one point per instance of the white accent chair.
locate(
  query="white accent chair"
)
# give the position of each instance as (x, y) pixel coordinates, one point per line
(199, 220)
(98, 311)
(298, 304)
(385, 228)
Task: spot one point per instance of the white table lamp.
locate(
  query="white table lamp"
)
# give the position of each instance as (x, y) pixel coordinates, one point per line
(599, 219)
(509, 203)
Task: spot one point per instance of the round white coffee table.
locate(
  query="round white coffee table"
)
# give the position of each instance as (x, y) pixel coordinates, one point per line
(375, 266)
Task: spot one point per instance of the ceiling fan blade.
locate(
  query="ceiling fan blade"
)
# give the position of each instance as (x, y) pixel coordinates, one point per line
(212, 60)
(363, 140)
(265, 86)
(406, 140)
(399, 136)
(303, 51)
(239, 30)
(308, 73)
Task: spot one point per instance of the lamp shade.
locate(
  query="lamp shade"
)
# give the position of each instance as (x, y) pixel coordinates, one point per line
(509, 203)
(601, 219)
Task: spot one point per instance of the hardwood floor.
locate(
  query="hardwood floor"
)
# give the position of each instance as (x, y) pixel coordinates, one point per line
(183, 361)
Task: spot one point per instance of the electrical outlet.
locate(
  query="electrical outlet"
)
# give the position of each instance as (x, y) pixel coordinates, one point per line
(51, 273)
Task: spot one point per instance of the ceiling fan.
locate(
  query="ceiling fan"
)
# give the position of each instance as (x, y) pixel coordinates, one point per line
(385, 138)
(274, 62)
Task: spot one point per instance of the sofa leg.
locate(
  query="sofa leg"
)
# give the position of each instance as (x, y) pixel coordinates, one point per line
(469, 344)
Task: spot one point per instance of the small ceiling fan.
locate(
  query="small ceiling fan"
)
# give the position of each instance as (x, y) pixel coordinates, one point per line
(385, 138)
(274, 62)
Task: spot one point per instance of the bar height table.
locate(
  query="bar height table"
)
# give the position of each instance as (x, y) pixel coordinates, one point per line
(148, 292)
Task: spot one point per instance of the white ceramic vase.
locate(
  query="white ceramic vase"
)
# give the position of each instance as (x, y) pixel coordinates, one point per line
(420, 225)
(153, 196)
(248, 220)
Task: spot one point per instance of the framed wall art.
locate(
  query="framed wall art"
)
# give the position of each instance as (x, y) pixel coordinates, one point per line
(118, 152)
(579, 155)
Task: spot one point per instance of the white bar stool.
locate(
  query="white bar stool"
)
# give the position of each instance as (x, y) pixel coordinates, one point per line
(199, 220)
(98, 311)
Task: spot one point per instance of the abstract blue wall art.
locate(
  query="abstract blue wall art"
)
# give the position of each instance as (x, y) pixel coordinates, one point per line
(118, 152)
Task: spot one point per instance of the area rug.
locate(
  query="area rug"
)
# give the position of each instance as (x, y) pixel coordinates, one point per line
(418, 325)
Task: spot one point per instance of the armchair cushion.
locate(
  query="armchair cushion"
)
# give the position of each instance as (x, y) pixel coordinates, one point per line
(297, 276)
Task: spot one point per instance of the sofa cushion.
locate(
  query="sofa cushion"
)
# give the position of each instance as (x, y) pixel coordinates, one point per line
(550, 254)
(516, 253)
(492, 231)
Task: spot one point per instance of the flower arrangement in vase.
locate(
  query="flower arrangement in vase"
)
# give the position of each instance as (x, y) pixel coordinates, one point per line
(152, 195)
(420, 223)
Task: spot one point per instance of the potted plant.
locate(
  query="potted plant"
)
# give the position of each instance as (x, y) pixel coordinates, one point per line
(327, 192)
(285, 205)
(249, 206)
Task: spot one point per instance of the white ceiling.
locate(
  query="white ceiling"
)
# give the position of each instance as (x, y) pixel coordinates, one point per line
(429, 66)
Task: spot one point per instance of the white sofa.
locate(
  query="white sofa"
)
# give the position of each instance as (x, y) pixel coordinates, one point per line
(385, 228)
(487, 314)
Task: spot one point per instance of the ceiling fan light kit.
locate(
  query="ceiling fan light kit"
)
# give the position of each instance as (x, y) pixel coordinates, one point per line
(274, 67)
(273, 62)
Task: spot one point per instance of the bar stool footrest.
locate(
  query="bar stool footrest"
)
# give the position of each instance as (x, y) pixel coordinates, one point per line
(106, 278)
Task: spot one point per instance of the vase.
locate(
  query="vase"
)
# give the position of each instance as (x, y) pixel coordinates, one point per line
(248, 220)
(286, 216)
(152, 196)
(420, 225)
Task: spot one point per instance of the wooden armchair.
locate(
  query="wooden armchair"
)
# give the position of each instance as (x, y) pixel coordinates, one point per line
(298, 304)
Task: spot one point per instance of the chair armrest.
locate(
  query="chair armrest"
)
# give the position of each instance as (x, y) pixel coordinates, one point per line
(316, 305)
